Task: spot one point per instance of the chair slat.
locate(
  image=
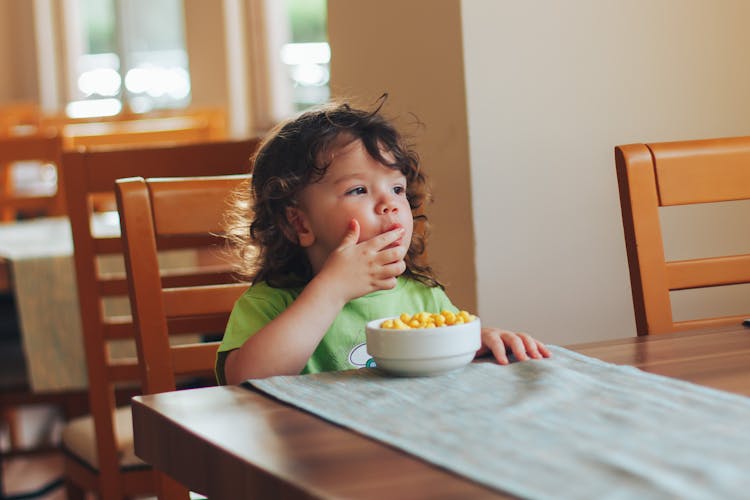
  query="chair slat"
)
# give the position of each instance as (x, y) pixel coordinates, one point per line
(702, 171)
(194, 358)
(107, 245)
(112, 287)
(197, 300)
(123, 370)
(209, 276)
(189, 160)
(698, 273)
(212, 197)
(117, 328)
(701, 324)
(213, 324)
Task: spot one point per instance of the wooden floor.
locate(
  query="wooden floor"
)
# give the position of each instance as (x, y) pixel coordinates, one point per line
(25, 473)
(22, 474)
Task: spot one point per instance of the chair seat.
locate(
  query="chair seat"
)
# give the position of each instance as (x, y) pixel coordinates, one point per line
(79, 439)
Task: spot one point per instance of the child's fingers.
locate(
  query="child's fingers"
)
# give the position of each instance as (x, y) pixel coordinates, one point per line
(383, 240)
(392, 269)
(483, 349)
(390, 255)
(543, 349)
(522, 345)
(352, 234)
(530, 346)
(385, 283)
(516, 344)
(495, 344)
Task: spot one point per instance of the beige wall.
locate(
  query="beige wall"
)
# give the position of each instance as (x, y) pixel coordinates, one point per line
(552, 87)
(412, 50)
(17, 52)
(205, 43)
(5, 52)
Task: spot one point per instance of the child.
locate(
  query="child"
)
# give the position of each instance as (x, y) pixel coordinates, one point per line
(330, 243)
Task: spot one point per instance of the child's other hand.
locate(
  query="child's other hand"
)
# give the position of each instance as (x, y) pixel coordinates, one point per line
(500, 342)
(357, 269)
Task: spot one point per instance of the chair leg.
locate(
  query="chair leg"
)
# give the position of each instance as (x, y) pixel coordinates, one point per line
(73, 491)
(10, 417)
(169, 489)
(7, 214)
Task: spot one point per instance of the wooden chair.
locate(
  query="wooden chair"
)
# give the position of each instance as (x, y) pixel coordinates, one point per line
(34, 199)
(665, 174)
(37, 152)
(98, 448)
(136, 132)
(18, 115)
(216, 116)
(152, 216)
(164, 126)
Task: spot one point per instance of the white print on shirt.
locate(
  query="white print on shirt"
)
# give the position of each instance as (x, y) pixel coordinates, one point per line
(359, 357)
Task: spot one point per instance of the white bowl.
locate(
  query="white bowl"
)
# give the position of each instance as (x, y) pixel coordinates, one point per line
(423, 351)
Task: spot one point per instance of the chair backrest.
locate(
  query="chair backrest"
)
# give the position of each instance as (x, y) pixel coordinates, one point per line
(87, 174)
(35, 153)
(175, 130)
(169, 213)
(153, 217)
(161, 126)
(665, 174)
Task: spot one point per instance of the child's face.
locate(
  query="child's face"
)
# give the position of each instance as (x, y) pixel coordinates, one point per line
(355, 186)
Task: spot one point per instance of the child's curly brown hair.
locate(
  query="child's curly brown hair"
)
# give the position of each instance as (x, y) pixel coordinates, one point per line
(295, 154)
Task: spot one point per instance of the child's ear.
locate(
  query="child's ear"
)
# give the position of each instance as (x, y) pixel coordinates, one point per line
(302, 233)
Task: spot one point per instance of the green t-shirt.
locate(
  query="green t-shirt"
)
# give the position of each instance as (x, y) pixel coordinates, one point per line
(343, 346)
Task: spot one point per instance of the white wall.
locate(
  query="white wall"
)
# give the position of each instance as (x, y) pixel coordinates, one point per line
(552, 87)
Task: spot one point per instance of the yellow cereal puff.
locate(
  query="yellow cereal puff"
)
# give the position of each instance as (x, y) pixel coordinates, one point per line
(465, 315)
(405, 318)
(400, 325)
(450, 318)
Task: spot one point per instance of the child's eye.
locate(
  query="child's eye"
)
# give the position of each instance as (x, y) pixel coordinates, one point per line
(357, 190)
(399, 189)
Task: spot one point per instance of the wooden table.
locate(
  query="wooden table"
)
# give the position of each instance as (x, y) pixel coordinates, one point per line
(231, 442)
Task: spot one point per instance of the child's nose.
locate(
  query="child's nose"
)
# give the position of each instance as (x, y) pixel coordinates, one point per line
(387, 206)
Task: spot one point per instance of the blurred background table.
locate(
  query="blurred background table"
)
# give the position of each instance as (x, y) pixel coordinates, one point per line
(37, 266)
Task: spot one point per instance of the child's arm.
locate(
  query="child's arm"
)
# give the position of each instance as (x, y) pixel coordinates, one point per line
(283, 346)
(522, 345)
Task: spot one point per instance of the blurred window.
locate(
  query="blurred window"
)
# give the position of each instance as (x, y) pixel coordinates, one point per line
(131, 53)
(306, 56)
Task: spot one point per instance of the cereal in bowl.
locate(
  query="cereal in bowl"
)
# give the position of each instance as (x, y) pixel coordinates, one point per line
(427, 320)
